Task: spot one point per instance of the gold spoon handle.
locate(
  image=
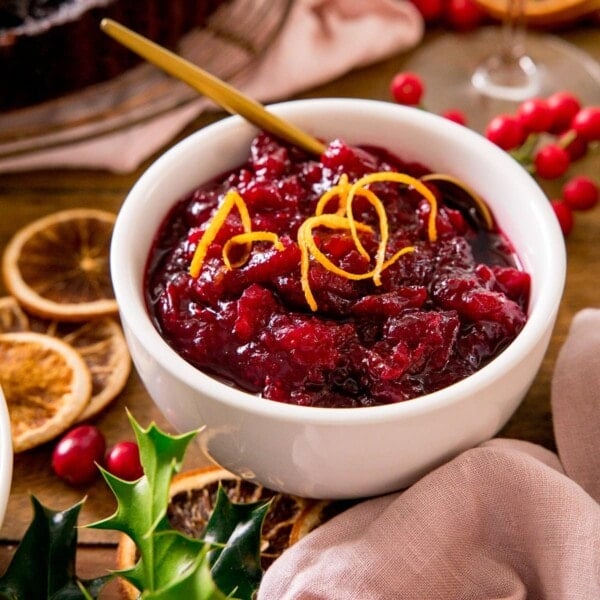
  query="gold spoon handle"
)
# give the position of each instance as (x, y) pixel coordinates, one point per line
(217, 90)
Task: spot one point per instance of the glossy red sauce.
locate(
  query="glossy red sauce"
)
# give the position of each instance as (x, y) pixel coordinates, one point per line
(440, 314)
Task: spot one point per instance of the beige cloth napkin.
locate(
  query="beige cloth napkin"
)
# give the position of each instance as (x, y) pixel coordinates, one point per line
(321, 40)
(508, 519)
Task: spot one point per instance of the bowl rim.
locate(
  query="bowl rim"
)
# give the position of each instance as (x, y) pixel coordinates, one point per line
(6, 456)
(135, 315)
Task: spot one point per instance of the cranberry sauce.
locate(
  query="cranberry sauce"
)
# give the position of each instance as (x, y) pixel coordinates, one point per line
(441, 312)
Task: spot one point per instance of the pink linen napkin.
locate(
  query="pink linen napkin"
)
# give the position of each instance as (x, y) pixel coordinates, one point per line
(322, 39)
(508, 519)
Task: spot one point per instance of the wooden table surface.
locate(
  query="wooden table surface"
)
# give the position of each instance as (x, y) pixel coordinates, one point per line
(29, 195)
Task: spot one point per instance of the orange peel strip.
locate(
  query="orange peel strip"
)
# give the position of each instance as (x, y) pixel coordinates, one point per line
(232, 199)
(340, 190)
(376, 203)
(333, 222)
(307, 246)
(397, 178)
(245, 239)
(396, 256)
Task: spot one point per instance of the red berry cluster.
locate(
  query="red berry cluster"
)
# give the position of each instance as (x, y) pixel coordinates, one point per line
(545, 135)
(79, 452)
(466, 15)
(461, 15)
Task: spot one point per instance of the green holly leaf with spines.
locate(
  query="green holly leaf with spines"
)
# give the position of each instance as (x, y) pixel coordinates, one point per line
(43, 566)
(146, 499)
(171, 564)
(236, 564)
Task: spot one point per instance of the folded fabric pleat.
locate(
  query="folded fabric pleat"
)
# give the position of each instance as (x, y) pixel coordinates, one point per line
(576, 402)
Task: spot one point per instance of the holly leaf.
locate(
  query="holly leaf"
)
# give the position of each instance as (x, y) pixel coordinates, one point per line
(171, 564)
(43, 565)
(142, 504)
(237, 527)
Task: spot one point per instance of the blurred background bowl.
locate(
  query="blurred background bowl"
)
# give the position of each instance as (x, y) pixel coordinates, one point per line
(328, 452)
(6, 456)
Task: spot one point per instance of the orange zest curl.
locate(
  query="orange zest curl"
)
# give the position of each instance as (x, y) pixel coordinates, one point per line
(308, 247)
(398, 178)
(383, 228)
(340, 190)
(232, 199)
(342, 219)
(245, 239)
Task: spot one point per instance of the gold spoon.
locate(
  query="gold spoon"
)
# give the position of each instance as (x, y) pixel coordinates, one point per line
(207, 84)
(470, 199)
(235, 102)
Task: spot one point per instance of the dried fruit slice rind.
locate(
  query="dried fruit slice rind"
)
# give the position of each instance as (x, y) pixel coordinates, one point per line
(288, 519)
(57, 266)
(46, 383)
(100, 342)
(12, 317)
(102, 345)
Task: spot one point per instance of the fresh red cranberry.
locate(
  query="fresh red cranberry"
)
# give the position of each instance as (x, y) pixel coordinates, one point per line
(407, 88)
(580, 193)
(535, 115)
(564, 215)
(464, 15)
(123, 461)
(458, 116)
(505, 131)
(564, 106)
(77, 454)
(551, 161)
(431, 10)
(587, 123)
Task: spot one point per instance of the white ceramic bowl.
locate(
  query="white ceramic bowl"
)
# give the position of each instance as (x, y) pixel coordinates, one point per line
(6, 456)
(336, 453)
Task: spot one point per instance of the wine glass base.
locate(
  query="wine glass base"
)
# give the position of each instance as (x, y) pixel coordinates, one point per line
(451, 68)
(514, 79)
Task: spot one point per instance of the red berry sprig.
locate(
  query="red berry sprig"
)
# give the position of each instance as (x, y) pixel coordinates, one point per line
(551, 161)
(546, 135)
(506, 131)
(571, 128)
(461, 15)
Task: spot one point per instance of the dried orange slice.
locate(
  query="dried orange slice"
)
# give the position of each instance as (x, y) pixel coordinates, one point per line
(192, 498)
(46, 383)
(543, 12)
(100, 342)
(12, 317)
(102, 345)
(58, 267)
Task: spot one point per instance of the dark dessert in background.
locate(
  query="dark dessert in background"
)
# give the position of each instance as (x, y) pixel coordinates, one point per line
(49, 48)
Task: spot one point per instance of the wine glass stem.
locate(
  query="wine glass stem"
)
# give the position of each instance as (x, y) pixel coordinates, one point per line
(513, 30)
(509, 73)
